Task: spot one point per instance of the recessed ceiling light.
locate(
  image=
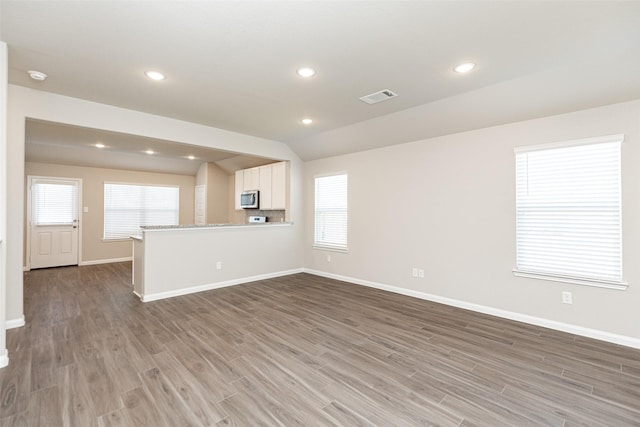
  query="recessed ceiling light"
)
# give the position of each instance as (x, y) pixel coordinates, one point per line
(306, 72)
(465, 68)
(307, 121)
(154, 75)
(100, 145)
(191, 157)
(149, 151)
(37, 75)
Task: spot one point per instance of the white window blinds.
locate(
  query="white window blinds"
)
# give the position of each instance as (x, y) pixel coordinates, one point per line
(128, 207)
(54, 203)
(568, 209)
(330, 229)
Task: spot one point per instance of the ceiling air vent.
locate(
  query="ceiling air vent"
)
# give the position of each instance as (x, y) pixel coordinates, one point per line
(380, 96)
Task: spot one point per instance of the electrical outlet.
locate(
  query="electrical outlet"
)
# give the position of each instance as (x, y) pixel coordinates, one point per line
(421, 273)
(219, 265)
(328, 258)
(567, 297)
(414, 272)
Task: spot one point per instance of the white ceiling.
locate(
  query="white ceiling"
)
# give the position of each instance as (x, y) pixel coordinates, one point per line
(231, 64)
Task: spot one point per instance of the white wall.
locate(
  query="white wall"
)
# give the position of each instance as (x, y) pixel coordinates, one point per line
(3, 200)
(447, 205)
(246, 253)
(24, 102)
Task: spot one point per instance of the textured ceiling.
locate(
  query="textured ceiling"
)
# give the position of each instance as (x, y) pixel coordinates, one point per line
(231, 64)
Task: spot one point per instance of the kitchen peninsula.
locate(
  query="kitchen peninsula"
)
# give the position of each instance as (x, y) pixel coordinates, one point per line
(176, 260)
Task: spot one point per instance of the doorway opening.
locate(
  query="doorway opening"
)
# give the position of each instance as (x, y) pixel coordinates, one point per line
(53, 226)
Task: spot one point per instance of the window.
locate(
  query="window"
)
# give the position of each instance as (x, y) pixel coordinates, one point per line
(54, 203)
(128, 207)
(331, 212)
(568, 209)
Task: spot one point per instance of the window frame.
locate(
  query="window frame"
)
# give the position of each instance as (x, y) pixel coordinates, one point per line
(565, 278)
(104, 207)
(323, 245)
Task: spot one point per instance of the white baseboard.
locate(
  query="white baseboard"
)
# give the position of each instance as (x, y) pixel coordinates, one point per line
(511, 315)
(104, 261)
(94, 262)
(15, 323)
(4, 359)
(217, 285)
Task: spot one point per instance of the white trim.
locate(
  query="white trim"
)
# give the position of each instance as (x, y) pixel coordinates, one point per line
(95, 261)
(620, 286)
(217, 285)
(104, 261)
(15, 323)
(321, 247)
(137, 184)
(324, 175)
(570, 143)
(538, 321)
(4, 359)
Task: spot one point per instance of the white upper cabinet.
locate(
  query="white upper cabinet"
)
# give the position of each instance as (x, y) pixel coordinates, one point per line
(270, 180)
(251, 179)
(279, 186)
(265, 187)
(239, 187)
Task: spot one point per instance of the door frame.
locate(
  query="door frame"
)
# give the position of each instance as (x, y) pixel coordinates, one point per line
(29, 206)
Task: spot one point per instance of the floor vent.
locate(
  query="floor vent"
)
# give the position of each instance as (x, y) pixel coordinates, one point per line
(380, 96)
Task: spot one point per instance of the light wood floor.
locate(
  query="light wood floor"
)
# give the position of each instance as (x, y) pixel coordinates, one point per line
(295, 351)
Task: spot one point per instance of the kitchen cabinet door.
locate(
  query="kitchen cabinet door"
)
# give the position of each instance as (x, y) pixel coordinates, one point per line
(246, 180)
(239, 187)
(265, 187)
(251, 179)
(255, 178)
(279, 185)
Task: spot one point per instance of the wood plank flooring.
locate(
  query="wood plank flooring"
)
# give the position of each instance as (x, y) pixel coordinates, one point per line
(295, 351)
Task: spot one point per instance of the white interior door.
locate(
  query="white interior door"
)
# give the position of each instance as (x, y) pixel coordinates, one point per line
(53, 222)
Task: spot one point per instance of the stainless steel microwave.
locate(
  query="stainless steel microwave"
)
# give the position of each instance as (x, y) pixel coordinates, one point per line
(249, 199)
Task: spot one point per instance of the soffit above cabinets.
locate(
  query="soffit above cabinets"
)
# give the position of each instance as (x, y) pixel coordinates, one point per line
(47, 142)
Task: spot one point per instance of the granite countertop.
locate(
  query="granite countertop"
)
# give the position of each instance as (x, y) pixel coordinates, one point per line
(183, 226)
